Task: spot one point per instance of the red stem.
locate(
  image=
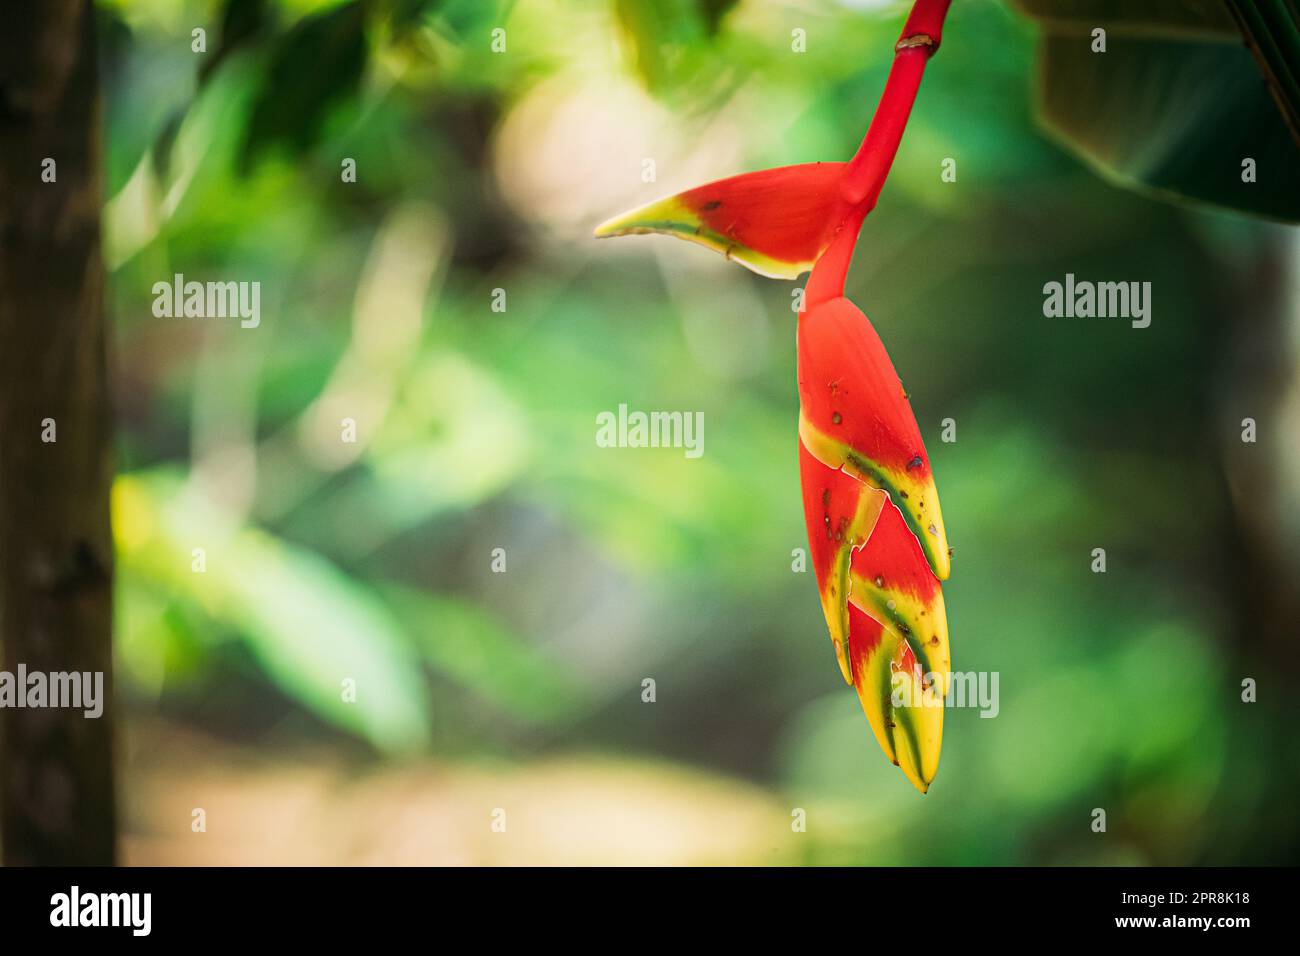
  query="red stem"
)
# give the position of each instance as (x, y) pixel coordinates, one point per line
(866, 172)
(920, 38)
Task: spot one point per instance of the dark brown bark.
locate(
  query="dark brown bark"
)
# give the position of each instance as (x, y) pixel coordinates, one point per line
(56, 769)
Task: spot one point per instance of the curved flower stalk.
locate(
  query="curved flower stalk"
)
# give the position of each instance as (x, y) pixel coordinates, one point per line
(878, 545)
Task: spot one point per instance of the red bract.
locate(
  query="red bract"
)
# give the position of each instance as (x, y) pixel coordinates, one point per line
(840, 512)
(884, 609)
(891, 581)
(875, 532)
(855, 414)
(905, 713)
(776, 222)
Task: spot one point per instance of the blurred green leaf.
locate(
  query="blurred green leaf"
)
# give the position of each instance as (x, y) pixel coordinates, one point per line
(241, 22)
(468, 645)
(1147, 18)
(313, 67)
(1174, 114)
(466, 20)
(660, 36)
(1272, 31)
(310, 626)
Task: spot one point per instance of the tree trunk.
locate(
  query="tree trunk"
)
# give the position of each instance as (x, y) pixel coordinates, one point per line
(56, 767)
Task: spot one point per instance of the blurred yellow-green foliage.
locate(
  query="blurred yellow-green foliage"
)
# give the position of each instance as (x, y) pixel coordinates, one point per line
(327, 561)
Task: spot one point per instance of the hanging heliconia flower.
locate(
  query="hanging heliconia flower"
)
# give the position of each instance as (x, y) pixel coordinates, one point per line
(875, 532)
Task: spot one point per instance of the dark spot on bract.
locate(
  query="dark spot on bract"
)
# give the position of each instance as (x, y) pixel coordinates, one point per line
(836, 418)
(711, 205)
(916, 462)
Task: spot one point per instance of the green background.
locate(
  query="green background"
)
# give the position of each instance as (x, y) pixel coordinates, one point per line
(522, 691)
